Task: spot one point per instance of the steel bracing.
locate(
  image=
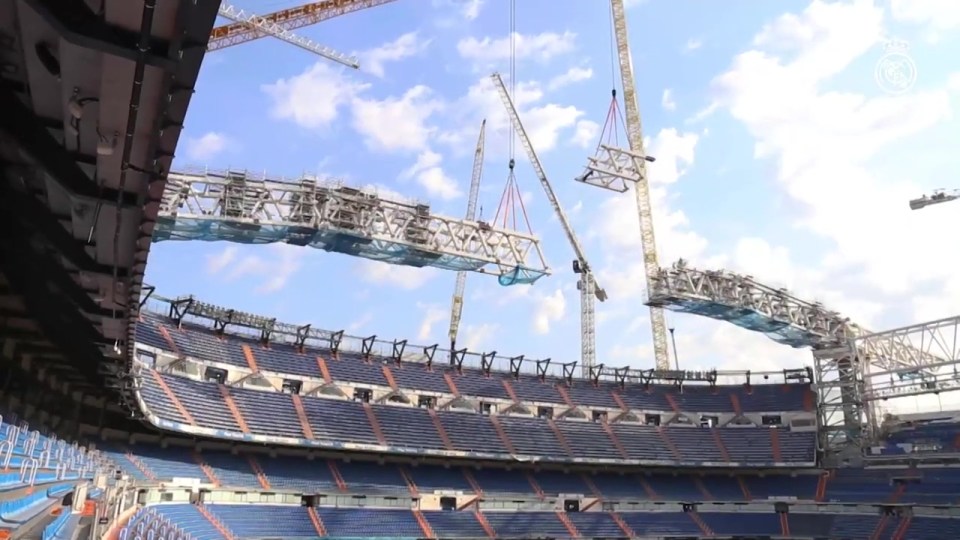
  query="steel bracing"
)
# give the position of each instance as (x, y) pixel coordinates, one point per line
(254, 209)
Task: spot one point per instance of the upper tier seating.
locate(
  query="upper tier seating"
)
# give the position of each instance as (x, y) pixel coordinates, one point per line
(334, 422)
(197, 342)
(217, 521)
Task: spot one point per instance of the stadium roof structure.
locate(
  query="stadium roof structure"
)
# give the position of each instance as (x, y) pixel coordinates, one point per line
(774, 312)
(93, 105)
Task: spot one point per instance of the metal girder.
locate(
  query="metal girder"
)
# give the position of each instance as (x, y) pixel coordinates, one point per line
(28, 130)
(614, 168)
(77, 24)
(233, 206)
(742, 301)
(935, 347)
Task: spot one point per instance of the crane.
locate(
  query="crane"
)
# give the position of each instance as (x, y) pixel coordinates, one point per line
(456, 309)
(587, 284)
(939, 196)
(286, 20)
(614, 168)
(263, 26)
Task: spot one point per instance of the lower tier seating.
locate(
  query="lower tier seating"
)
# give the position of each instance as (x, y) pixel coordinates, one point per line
(232, 411)
(254, 471)
(223, 521)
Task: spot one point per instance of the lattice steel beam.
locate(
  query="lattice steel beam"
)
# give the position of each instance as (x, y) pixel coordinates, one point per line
(240, 207)
(614, 168)
(784, 318)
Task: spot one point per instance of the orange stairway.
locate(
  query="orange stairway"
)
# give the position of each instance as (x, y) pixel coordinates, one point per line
(561, 438)
(424, 525)
(627, 530)
(173, 398)
(485, 524)
(317, 522)
(337, 477)
(234, 410)
(216, 523)
(374, 424)
(615, 440)
(258, 470)
(441, 431)
(207, 470)
(571, 528)
(706, 530)
(302, 416)
(666, 440)
(502, 434)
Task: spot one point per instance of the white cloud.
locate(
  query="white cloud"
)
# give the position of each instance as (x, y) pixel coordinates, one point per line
(430, 176)
(313, 99)
(360, 323)
(273, 270)
(431, 316)
(693, 44)
(667, 100)
(541, 47)
(207, 146)
(405, 46)
(471, 9)
(389, 275)
(936, 16)
(571, 76)
(586, 133)
(549, 309)
(406, 116)
(476, 337)
(820, 136)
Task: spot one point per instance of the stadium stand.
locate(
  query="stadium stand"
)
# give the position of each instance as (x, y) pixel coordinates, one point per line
(37, 474)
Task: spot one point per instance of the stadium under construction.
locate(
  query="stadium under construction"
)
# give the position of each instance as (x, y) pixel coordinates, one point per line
(127, 415)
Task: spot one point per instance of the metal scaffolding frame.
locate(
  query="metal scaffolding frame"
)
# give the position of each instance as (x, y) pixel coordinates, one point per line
(240, 207)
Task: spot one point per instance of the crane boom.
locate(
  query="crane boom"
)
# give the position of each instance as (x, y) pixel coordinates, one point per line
(456, 309)
(634, 129)
(287, 19)
(266, 27)
(589, 289)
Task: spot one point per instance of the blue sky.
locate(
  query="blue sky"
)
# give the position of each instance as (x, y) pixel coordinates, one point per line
(778, 155)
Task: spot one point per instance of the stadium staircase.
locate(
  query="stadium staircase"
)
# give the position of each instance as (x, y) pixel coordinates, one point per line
(441, 431)
(898, 492)
(735, 403)
(173, 398)
(258, 471)
(250, 358)
(535, 485)
(227, 533)
(619, 401)
(623, 525)
(388, 376)
(324, 370)
(560, 438)
(374, 423)
(302, 416)
(234, 410)
(451, 384)
(880, 528)
(719, 442)
(485, 524)
(207, 470)
(317, 522)
(821, 494)
(472, 480)
(672, 401)
(707, 496)
(785, 524)
(411, 485)
(614, 439)
(424, 525)
(337, 477)
(747, 496)
(565, 396)
(648, 489)
(666, 440)
(901, 531)
(508, 388)
(594, 490)
(507, 443)
(170, 342)
(571, 528)
(141, 466)
(775, 445)
(704, 528)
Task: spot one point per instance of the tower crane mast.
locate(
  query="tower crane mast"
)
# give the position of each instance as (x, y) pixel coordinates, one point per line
(589, 289)
(456, 309)
(634, 130)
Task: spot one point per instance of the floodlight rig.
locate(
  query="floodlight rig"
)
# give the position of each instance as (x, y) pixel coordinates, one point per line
(939, 196)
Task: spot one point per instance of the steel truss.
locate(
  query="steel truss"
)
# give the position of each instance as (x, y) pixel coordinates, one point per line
(254, 209)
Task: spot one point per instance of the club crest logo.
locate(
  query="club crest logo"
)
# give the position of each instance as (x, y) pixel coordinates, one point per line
(896, 73)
